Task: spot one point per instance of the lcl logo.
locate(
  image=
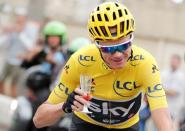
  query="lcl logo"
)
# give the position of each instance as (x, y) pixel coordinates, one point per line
(86, 60)
(124, 88)
(137, 57)
(155, 91)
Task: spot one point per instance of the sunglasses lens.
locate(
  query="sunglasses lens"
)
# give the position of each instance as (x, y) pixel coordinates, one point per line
(107, 49)
(113, 49)
(124, 47)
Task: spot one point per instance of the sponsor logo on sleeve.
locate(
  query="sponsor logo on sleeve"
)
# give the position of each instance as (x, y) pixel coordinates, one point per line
(63, 88)
(63, 91)
(155, 91)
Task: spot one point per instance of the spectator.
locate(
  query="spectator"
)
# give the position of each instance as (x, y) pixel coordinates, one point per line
(37, 84)
(19, 43)
(49, 55)
(174, 85)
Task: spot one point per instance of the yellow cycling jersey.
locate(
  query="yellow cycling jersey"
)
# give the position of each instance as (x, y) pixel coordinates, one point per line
(117, 93)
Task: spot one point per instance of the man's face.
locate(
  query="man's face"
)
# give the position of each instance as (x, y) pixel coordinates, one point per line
(117, 59)
(53, 41)
(175, 62)
(20, 23)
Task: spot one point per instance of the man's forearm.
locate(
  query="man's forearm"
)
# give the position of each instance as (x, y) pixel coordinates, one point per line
(47, 115)
(162, 119)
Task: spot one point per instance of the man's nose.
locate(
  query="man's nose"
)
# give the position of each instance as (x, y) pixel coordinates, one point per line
(117, 54)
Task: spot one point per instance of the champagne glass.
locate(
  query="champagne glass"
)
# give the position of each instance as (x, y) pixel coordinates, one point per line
(85, 85)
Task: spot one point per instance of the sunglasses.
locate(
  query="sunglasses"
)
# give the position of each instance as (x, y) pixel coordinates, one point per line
(113, 48)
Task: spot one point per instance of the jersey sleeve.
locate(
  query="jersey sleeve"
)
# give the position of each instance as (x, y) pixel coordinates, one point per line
(151, 82)
(69, 80)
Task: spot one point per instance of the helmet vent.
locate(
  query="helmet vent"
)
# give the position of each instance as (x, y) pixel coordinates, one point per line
(127, 24)
(98, 8)
(126, 12)
(108, 8)
(132, 23)
(99, 39)
(114, 15)
(93, 18)
(122, 26)
(91, 32)
(99, 17)
(104, 30)
(97, 31)
(113, 30)
(120, 13)
(116, 4)
(106, 18)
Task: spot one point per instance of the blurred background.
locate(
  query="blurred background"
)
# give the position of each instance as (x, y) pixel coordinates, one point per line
(159, 28)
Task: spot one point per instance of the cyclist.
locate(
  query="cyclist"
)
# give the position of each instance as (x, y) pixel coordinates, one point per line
(121, 72)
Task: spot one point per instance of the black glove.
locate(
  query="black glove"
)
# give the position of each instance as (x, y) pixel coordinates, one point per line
(69, 102)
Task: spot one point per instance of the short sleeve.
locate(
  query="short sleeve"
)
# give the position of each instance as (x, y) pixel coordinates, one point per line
(151, 82)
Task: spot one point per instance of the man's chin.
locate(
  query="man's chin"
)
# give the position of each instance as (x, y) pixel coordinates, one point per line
(117, 66)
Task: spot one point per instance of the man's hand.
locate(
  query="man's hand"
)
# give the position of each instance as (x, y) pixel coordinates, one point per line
(75, 101)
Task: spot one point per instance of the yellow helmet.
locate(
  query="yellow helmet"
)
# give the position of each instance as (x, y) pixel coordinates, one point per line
(110, 21)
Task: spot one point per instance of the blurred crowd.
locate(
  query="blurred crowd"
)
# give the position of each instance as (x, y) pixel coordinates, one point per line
(34, 53)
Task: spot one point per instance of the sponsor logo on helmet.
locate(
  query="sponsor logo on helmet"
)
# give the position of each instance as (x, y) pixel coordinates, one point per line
(114, 112)
(155, 91)
(124, 88)
(86, 60)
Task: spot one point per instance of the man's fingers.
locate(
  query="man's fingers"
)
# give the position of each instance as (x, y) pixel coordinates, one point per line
(74, 108)
(79, 91)
(81, 100)
(77, 104)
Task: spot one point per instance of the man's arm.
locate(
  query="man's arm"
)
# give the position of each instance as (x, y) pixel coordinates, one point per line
(47, 114)
(61, 98)
(155, 94)
(162, 119)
